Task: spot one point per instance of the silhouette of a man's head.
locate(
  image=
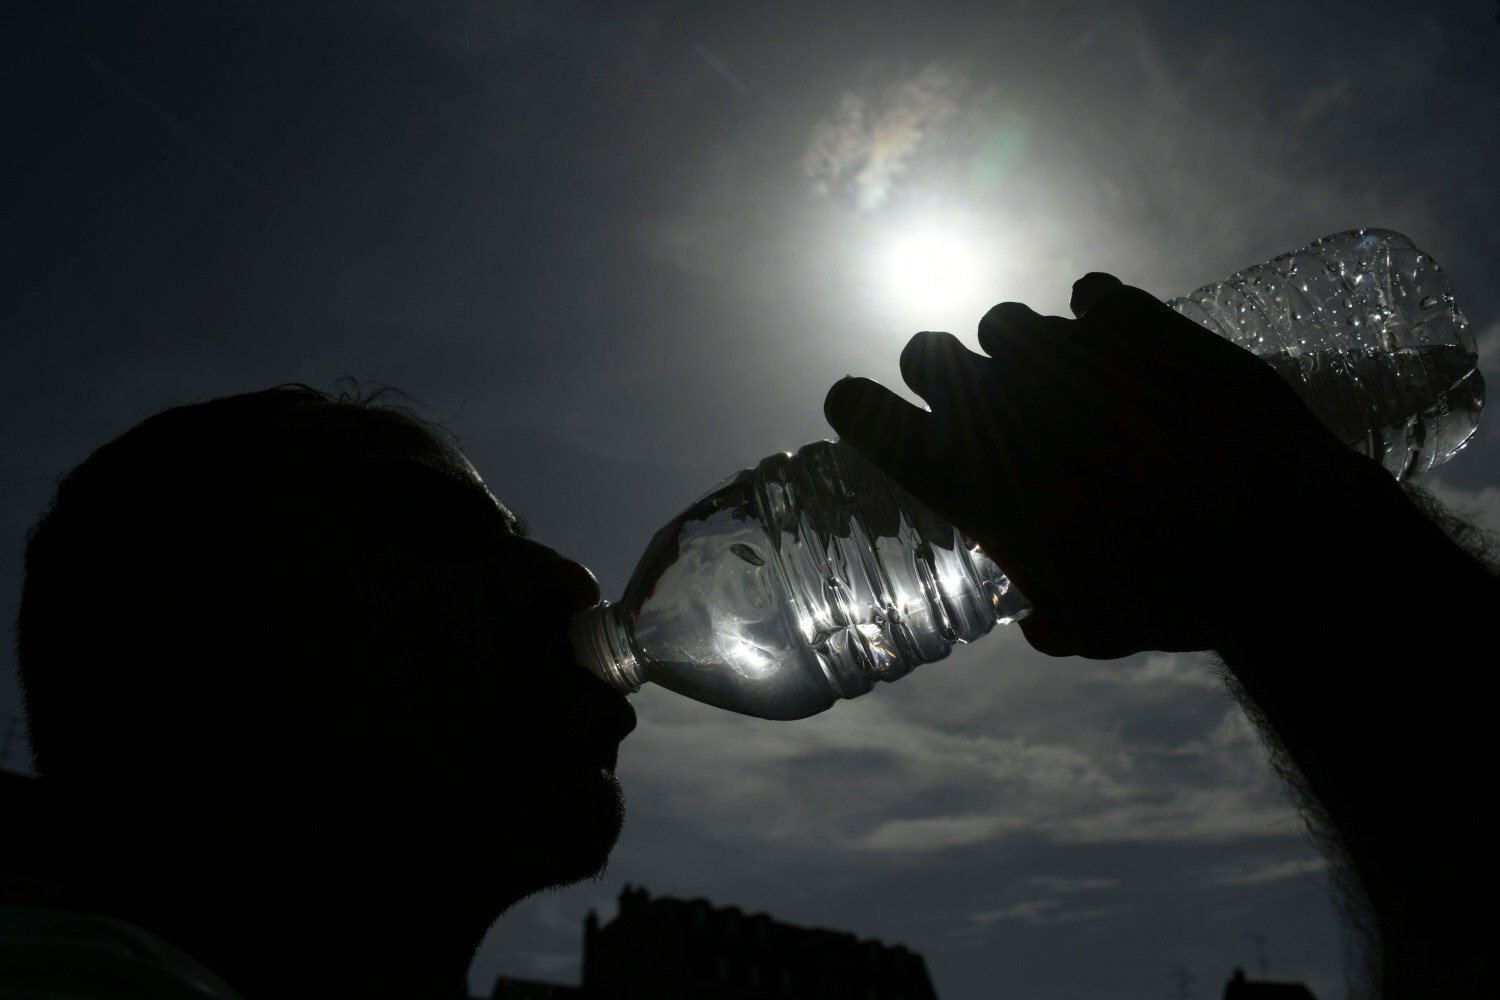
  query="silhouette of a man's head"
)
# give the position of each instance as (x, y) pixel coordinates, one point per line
(279, 624)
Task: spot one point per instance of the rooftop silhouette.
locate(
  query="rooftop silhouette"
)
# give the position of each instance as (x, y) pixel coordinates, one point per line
(689, 949)
(1240, 988)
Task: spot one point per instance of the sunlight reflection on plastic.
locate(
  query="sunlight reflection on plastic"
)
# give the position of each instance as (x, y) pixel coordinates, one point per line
(951, 583)
(746, 659)
(883, 656)
(808, 626)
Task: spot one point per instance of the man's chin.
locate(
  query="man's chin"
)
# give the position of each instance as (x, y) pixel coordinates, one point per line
(572, 835)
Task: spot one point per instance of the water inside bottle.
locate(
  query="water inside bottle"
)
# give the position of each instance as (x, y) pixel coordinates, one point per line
(1409, 408)
(774, 595)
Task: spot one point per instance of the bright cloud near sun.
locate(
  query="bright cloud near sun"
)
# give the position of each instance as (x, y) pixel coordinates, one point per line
(870, 139)
(928, 266)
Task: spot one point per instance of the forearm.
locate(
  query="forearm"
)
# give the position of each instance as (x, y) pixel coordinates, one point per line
(1369, 676)
(1151, 486)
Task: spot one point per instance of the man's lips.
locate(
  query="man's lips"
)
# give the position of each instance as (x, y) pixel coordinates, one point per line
(609, 716)
(621, 719)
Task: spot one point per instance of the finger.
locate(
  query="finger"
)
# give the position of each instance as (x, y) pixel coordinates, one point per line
(1106, 300)
(1011, 328)
(885, 428)
(937, 365)
(1088, 289)
(1063, 635)
(1045, 635)
(1155, 327)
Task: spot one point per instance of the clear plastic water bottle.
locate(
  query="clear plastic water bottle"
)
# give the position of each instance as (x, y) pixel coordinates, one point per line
(790, 585)
(812, 576)
(1363, 325)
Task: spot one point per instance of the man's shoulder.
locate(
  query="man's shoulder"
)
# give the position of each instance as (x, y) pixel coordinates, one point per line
(58, 955)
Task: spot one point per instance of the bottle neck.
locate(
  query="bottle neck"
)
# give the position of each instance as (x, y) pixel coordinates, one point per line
(602, 646)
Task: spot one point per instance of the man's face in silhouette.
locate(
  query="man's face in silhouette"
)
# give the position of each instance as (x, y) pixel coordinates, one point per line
(408, 626)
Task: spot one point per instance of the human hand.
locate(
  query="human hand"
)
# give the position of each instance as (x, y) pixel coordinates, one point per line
(1127, 469)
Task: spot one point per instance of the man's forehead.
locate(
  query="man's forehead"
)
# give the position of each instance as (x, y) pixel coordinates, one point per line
(364, 443)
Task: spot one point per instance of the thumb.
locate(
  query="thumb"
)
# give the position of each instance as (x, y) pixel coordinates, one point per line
(886, 429)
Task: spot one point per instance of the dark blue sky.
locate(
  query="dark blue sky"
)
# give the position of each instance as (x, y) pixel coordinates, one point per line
(623, 249)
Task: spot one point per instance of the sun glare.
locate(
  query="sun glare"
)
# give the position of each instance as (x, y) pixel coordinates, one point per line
(932, 275)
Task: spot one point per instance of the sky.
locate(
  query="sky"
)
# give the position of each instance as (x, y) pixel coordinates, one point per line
(623, 249)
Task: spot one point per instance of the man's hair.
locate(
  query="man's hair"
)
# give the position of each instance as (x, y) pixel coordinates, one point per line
(131, 585)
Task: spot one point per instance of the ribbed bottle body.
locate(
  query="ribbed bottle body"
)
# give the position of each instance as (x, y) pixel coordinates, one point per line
(801, 581)
(1364, 326)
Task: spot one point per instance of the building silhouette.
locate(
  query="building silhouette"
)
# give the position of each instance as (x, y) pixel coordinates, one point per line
(507, 988)
(659, 947)
(1240, 988)
(686, 949)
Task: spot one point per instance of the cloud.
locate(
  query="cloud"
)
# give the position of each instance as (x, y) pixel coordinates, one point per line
(869, 140)
(1071, 885)
(1030, 910)
(1211, 815)
(965, 754)
(937, 833)
(1050, 911)
(1481, 506)
(1045, 913)
(1261, 872)
(1163, 669)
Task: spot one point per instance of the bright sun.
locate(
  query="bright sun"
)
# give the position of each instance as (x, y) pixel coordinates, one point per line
(933, 275)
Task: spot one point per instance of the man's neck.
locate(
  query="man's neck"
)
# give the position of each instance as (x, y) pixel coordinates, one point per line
(284, 916)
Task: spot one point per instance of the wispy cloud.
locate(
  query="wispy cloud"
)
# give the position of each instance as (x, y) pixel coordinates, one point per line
(1046, 913)
(1162, 669)
(937, 833)
(870, 139)
(1052, 910)
(1261, 871)
(1071, 885)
